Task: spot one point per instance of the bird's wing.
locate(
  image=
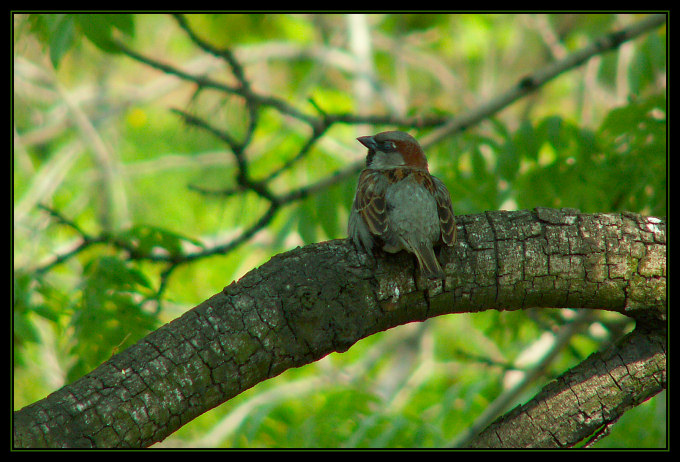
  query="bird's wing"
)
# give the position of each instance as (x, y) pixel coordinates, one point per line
(370, 201)
(447, 220)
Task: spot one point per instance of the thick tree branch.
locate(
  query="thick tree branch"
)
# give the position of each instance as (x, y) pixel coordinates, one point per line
(321, 298)
(586, 398)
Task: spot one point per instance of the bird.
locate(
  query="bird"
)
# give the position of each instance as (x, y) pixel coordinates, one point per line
(399, 205)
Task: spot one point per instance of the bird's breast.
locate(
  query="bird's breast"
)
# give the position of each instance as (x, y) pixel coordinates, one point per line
(411, 208)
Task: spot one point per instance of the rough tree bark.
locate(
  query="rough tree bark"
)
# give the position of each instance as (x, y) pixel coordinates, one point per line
(588, 399)
(311, 301)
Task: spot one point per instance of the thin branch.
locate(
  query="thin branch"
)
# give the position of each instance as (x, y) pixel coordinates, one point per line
(323, 184)
(65, 221)
(319, 131)
(223, 53)
(320, 124)
(280, 105)
(539, 78)
(246, 234)
(222, 135)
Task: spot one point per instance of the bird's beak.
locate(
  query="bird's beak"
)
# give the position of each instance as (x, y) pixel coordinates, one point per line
(368, 141)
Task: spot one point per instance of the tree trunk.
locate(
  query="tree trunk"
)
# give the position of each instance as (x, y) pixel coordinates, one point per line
(311, 301)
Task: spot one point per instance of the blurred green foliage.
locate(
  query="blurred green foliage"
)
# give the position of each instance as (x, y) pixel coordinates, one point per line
(60, 31)
(593, 139)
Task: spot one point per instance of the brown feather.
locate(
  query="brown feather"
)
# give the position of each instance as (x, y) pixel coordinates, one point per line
(428, 262)
(447, 220)
(372, 207)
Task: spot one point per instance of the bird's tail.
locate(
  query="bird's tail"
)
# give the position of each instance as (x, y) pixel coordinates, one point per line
(427, 260)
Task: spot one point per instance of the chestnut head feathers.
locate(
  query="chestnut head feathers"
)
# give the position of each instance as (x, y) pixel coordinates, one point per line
(395, 149)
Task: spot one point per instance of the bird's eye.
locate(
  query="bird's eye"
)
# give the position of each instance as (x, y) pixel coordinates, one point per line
(388, 146)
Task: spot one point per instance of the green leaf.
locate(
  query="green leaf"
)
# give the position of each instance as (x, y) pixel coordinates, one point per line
(61, 39)
(649, 61)
(60, 31)
(327, 212)
(110, 315)
(550, 130)
(56, 31)
(145, 239)
(122, 22)
(634, 139)
(109, 271)
(526, 140)
(478, 165)
(508, 160)
(99, 28)
(307, 221)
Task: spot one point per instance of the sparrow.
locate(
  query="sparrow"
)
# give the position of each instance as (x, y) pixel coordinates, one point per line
(398, 205)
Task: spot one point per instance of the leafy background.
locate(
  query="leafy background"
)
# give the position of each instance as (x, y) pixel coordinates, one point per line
(100, 154)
